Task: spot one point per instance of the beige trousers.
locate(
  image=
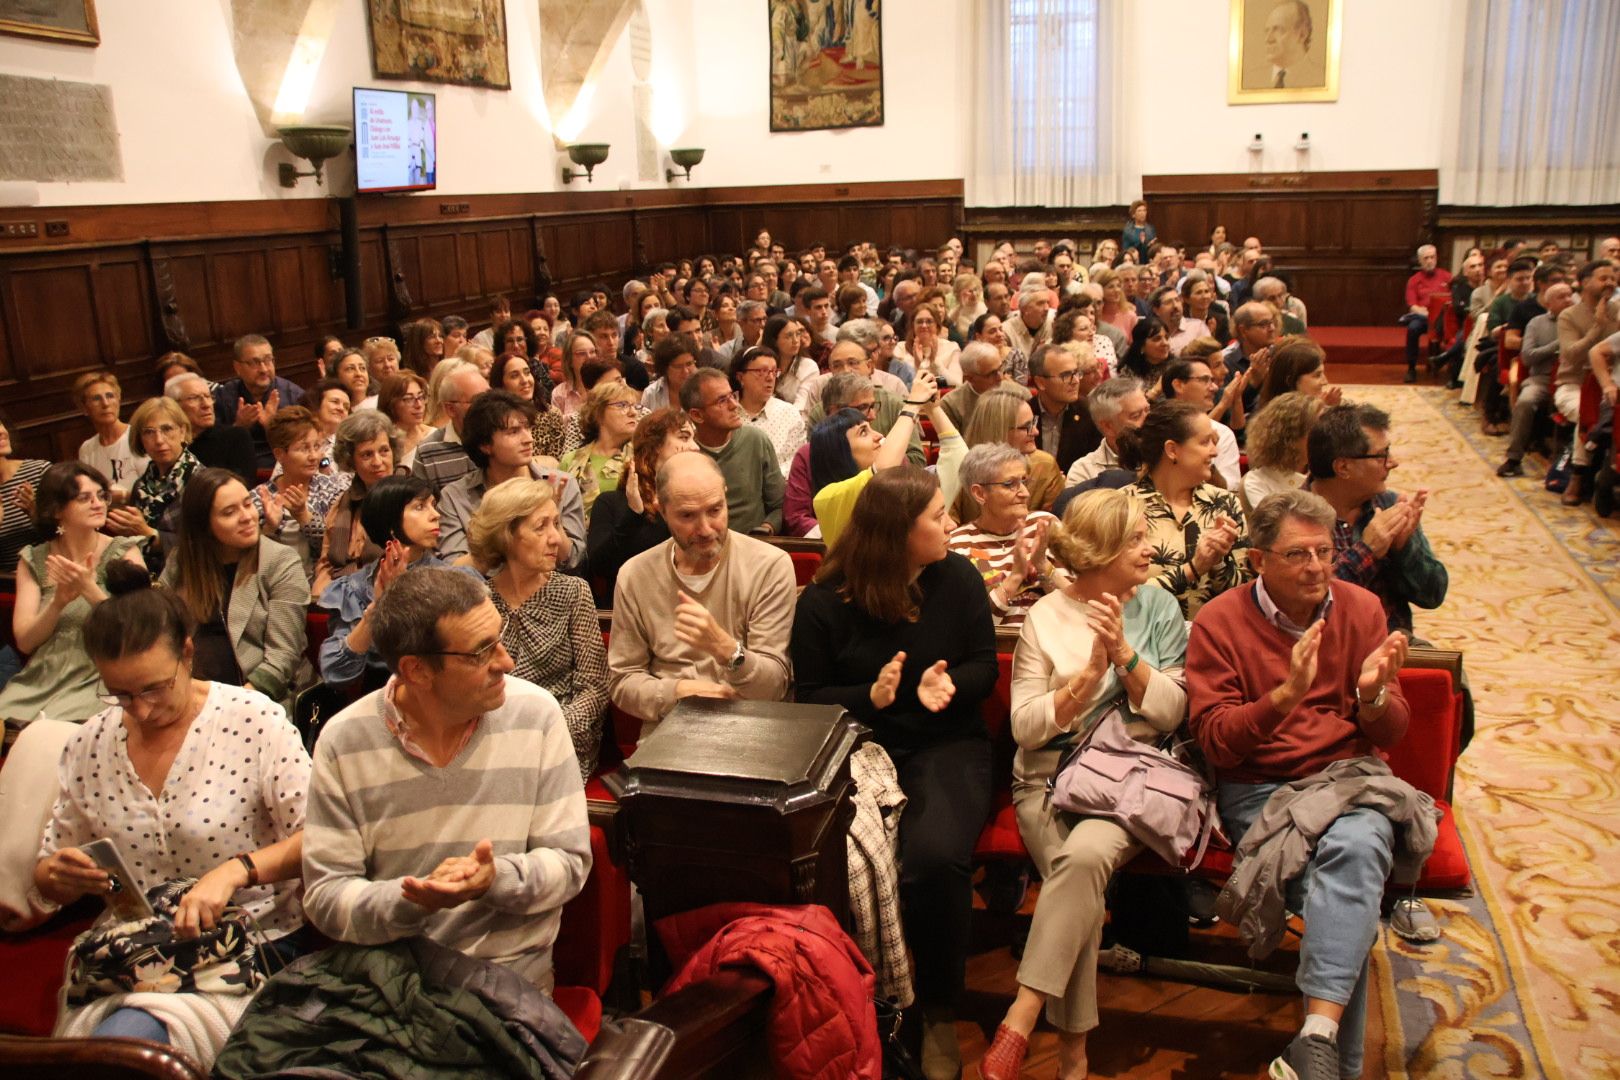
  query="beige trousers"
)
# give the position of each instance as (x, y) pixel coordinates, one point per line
(1075, 857)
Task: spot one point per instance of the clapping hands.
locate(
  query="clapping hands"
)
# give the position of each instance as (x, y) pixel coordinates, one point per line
(1214, 544)
(934, 690)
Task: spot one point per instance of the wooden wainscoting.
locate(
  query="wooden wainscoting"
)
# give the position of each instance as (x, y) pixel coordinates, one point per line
(116, 286)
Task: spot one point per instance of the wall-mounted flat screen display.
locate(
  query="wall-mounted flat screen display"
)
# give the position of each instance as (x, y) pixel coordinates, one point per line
(395, 141)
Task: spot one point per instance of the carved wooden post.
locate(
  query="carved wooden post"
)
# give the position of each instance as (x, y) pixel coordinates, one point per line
(399, 293)
(171, 321)
(537, 250)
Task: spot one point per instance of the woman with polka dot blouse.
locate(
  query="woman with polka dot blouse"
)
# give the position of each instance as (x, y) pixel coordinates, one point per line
(190, 779)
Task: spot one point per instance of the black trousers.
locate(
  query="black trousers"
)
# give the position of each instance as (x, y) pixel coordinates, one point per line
(947, 790)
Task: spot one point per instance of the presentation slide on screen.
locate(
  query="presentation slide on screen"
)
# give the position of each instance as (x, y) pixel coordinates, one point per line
(394, 140)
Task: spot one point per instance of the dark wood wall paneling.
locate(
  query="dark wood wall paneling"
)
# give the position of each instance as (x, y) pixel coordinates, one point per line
(128, 283)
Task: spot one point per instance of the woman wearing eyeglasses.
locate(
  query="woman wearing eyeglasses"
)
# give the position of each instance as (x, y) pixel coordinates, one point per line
(191, 779)
(548, 620)
(59, 581)
(402, 514)
(754, 373)
(403, 399)
(1196, 528)
(606, 423)
(246, 593)
(283, 503)
(1005, 416)
(1007, 541)
(365, 451)
(154, 504)
(790, 342)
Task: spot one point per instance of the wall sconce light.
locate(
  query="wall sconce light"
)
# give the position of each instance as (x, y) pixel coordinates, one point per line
(1304, 143)
(314, 143)
(685, 157)
(1257, 145)
(586, 155)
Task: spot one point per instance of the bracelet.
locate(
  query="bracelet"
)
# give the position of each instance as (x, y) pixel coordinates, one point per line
(908, 415)
(1136, 658)
(252, 871)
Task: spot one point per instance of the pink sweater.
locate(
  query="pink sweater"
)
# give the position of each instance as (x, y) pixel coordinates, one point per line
(1235, 658)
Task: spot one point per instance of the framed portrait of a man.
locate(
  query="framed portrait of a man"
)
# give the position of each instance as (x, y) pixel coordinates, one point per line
(1283, 51)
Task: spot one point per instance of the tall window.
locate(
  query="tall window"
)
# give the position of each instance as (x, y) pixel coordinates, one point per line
(1052, 58)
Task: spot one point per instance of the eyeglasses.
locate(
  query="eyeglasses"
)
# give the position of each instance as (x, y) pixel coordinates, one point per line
(375, 340)
(196, 399)
(769, 369)
(413, 399)
(1031, 425)
(1072, 375)
(727, 398)
(623, 406)
(87, 498)
(259, 362)
(1199, 378)
(869, 408)
(1301, 557)
(1381, 456)
(1009, 485)
(477, 656)
(152, 695)
(167, 431)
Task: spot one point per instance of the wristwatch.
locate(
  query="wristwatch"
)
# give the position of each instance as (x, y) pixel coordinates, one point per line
(1377, 702)
(737, 658)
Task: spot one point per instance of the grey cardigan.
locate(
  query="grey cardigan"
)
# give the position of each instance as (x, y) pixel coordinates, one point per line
(265, 620)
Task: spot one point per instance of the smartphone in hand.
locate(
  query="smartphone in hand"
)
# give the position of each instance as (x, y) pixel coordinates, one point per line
(124, 898)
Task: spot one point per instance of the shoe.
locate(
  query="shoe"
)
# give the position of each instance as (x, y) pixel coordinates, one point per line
(1308, 1057)
(1573, 496)
(1200, 898)
(1411, 375)
(1411, 918)
(941, 1054)
(1454, 384)
(1005, 1058)
(1510, 467)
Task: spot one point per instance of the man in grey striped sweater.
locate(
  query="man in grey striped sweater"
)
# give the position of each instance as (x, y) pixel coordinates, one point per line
(447, 804)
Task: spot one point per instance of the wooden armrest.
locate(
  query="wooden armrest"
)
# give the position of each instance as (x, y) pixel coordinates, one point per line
(23, 1058)
(796, 543)
(1428, 656)
(712, 1028)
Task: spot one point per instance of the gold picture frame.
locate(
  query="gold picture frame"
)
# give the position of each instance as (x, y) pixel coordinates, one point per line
(69, 21)
(1270, 37)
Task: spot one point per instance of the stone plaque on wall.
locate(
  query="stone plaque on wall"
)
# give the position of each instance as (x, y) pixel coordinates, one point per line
(55, 130)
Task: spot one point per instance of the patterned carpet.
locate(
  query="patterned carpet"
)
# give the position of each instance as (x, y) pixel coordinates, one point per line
(1526, 982)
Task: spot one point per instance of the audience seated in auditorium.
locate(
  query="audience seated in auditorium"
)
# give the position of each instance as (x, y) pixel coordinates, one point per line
(1589, 321)
(1180, 330)
(744, 454)
(255, 394)
(707, 613)
(1004, 416)
(1226, 388)
(1254, 327)
(169, 731)
(1378, 535)
(1118, 405)
(506, 848)
(674, 361)
(1201, 304)
(515, 374)
(403, 514)
(579, 349)
(1148, 354)
(1272, 291)
(423, 346)
(1278, 455)
(1006, 540)
(1293, 679)
(108, 450)
(500, 445)
(1297, 364)
(382, 363)
(403, 399)
(364, 452)
(246, 593)
(329, 400)
(282, 503)
(1428, 280)
(1193, 382)
(61, 577)
(153, 510)
(353, 371)
(1100, 642)
(846, 449)
(926, 348)
(441, 458)
(981, 374)
(1031, 324)
(1196, 527)
(897, 630)
(626, 521)
(19, 484)
(607, 421)
(753, 374)
(1538, 349)
(1062, 377)
(548, 619)
(212, 443)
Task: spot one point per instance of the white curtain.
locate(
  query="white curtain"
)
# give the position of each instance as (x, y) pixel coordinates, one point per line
(1048, 115)
(1539, 118)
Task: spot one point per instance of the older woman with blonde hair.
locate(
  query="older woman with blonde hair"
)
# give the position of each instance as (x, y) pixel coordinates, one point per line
(1100, 643)
(548, 619)
(1004, 416)
(382, 364)
(164, 434)
(607, 421)
(1276, 447)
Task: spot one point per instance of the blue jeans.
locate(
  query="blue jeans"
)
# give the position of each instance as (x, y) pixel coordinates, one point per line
(131, 1024)
(1339, 894)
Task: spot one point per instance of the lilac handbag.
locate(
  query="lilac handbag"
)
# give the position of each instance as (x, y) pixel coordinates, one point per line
(1158, 799)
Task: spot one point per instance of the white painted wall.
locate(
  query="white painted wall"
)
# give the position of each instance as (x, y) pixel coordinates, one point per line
(188, 132)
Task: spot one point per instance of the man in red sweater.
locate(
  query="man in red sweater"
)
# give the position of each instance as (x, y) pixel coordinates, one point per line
(1419, 287)
(1286, 675)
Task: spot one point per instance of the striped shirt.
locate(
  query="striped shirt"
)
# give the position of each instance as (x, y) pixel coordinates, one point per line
(377, 815)
(992, 555)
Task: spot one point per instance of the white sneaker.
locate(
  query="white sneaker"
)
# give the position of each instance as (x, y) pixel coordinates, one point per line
(1412, 920)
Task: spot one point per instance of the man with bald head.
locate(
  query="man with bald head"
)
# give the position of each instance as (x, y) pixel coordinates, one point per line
(707, 613)
(981, 374)
(1254, 325)
(852, 352)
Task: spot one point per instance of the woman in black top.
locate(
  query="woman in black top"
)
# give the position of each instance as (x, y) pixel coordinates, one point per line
(898, 630)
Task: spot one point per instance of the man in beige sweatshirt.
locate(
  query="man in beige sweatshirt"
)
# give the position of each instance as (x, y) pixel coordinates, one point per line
(707, 613)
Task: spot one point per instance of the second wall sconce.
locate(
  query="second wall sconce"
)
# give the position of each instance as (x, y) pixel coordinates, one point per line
(586, 155)
(686, 158)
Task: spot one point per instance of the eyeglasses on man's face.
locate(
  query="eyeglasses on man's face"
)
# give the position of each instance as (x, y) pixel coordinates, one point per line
(1381, 456)
(1300, 557)
(479, 657)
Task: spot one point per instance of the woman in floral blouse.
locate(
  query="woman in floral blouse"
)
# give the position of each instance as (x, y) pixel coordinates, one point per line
(607, 421)
(1196, 528)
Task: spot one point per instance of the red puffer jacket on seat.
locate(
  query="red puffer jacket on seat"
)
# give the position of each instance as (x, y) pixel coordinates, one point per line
(823, 1025)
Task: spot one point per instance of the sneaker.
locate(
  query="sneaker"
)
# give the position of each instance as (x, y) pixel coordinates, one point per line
(1510, 467)
(1308, 1057)
(1412, 921)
